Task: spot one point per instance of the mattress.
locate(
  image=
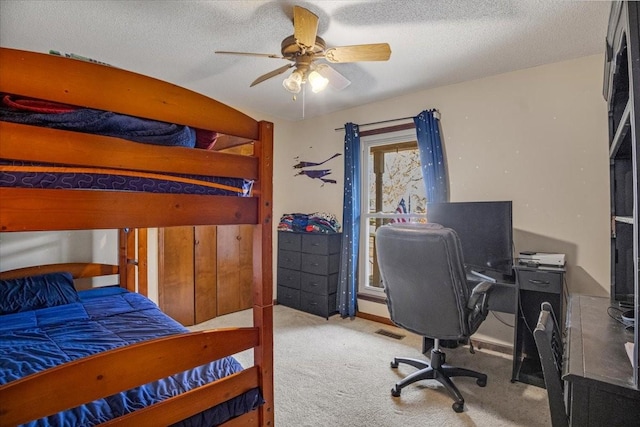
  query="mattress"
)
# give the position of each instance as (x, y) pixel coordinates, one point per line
(103, 319)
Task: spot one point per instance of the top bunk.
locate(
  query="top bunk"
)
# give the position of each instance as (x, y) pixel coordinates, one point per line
(189, 186)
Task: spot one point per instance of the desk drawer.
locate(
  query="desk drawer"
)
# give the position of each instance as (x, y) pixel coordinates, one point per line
(540, 281)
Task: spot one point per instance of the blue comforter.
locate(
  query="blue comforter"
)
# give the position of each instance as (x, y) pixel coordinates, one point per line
(106, 318)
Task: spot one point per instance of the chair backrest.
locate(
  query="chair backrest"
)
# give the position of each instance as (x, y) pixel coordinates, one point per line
(422, 271)
(548, 339)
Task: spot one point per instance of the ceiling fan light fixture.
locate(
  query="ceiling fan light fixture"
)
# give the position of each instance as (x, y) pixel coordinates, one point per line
(304, 47)
(293, 83)
(317, 81)
(337, 81)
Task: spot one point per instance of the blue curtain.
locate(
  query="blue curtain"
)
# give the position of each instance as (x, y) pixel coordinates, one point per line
(434, 172)
(348, 278)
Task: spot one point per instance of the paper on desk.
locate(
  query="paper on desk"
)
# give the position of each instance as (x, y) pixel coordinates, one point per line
(629, 347)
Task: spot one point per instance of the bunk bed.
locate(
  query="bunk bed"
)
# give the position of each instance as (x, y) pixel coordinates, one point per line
(26, 76)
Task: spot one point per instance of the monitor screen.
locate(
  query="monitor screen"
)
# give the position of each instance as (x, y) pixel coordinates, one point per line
(485, 231)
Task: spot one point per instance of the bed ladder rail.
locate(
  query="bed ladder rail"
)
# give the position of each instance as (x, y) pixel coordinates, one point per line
(182, 406)
(110, 372)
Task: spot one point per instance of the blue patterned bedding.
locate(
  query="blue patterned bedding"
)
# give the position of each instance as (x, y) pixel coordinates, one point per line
(102, 319)
(49, 176)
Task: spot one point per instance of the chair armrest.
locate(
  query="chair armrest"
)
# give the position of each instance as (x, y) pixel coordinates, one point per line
(478, 305)
(480, 291)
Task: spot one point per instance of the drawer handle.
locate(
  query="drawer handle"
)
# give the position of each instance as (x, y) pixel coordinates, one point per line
(315, 244)
(313, 303)
(539, 282)
(315, 264)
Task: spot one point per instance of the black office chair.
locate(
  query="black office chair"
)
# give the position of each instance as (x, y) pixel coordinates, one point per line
(427, 293)
(549, 342)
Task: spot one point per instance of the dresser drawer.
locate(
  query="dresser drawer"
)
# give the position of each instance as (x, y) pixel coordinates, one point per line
(317, 284)
(289, 259)
(540, 281)
(289, 278)
(289, 297)
(320, 264)
(321, 244)
(289, 241)
(321, 305)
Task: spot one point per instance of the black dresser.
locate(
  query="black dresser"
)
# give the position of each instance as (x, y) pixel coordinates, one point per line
(308, 266)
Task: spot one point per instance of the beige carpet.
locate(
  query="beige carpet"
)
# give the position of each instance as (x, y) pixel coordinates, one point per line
(337, 373)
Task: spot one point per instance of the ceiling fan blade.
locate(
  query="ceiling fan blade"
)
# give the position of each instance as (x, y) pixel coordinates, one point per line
(336, 80)
(305, 27)
(271, 74)
(266, 55)
(357, 53)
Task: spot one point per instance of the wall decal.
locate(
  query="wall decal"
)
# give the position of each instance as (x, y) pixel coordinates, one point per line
(307, 164)
(316, 173)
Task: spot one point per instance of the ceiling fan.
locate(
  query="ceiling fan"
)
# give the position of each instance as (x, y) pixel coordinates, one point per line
(305, 47)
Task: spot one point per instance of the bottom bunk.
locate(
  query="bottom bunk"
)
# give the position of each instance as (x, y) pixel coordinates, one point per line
(107, 355)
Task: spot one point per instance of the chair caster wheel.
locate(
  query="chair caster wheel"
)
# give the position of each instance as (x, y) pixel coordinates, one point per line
(481, 382)
(458, 407)
(394, 364)
(395, 392)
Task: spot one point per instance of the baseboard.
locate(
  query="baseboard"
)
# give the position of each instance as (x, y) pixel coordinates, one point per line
(479, 344)
(375, 318)
(498, 348)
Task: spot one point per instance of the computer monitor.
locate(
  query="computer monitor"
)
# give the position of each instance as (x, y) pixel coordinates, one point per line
(485, 230)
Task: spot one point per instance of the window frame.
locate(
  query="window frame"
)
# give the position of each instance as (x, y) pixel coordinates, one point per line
(366, 143)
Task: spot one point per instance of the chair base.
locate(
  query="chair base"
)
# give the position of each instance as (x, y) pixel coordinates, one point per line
(438, 370)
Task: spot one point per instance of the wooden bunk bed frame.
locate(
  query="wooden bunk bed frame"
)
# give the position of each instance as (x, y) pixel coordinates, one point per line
(86, 84)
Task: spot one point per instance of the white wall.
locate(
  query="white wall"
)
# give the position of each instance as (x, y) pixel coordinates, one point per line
(537, 137)
(19, 250)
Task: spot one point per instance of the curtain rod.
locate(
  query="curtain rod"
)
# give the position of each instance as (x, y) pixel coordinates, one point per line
(387, 121)
(378, 123)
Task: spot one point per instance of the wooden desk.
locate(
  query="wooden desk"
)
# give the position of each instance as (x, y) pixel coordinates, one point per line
(597, 372)
(534, 286)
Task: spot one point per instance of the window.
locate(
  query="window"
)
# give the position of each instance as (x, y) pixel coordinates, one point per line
(392, 190)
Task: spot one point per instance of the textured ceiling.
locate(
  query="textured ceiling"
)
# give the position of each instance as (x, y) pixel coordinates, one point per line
(433, 43)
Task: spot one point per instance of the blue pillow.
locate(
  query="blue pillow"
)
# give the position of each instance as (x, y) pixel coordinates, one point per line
(33, 292)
